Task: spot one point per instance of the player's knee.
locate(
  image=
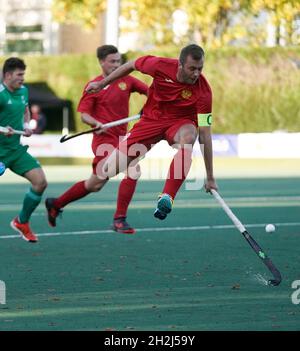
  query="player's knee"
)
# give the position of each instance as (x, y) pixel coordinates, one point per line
(187, 135)
(188, 138)
(95, 187)
(40, 185)
(134, 172)
(138, 174)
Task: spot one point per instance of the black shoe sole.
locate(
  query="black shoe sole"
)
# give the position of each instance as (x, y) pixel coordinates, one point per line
(49, 206)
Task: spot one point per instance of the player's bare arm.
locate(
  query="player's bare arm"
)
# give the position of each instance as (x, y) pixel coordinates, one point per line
(122, 71)
(28, 131)
(91, 121)
(205, 141)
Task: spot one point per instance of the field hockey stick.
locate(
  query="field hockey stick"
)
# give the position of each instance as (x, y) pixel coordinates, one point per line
(104, 126)
(257, 249)
(14, 131)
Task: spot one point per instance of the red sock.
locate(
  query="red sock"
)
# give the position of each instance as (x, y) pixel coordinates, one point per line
(77, 191)
(178, 171)
(126, 191)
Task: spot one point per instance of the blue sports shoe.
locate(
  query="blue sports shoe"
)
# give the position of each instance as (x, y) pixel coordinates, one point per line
(164, 206)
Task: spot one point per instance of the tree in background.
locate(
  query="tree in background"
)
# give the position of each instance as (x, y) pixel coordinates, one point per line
(284, 15)
(152, 17)
(214, 23)
(83, 12)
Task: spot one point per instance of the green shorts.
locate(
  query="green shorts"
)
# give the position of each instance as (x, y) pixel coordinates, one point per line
(20, 161)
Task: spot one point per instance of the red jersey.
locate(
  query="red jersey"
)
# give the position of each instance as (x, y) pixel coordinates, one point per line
(167, 97)
(112, 102)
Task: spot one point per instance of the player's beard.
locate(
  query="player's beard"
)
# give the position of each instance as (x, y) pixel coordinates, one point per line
(187, 79)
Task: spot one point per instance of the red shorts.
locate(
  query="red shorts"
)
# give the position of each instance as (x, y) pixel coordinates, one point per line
(148, 132)
(102, 147)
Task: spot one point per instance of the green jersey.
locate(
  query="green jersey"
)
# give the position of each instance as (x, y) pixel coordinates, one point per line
(12, 109)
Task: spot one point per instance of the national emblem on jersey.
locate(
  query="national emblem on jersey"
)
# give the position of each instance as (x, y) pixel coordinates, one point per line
(122, 86)
(186, 94)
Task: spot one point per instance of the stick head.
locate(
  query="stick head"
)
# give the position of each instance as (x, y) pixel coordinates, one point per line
(63, 138)
(274, 282)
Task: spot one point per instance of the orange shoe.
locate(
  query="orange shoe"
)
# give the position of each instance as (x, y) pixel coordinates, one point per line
(24, 230)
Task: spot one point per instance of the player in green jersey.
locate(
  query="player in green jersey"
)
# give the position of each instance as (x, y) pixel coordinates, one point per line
(14, 114)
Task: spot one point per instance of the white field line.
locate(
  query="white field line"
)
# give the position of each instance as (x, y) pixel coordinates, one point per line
(157, 229)
(272, 201)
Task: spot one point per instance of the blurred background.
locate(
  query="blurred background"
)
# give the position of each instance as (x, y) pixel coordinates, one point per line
(252, 62)
(192, 272)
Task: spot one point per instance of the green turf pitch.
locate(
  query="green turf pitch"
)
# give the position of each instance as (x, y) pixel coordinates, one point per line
(193, 271)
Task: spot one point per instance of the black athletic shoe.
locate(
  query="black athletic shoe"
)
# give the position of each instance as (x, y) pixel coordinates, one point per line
(53, 212)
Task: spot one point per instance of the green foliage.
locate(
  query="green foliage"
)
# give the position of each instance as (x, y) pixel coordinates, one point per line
(282, 12)
(214, 23)
(151, 17)
(255, 90)
(84, 12)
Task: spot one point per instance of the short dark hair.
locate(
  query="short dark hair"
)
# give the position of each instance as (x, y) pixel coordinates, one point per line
(13, 63)
(193, 50)
(105, 50)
